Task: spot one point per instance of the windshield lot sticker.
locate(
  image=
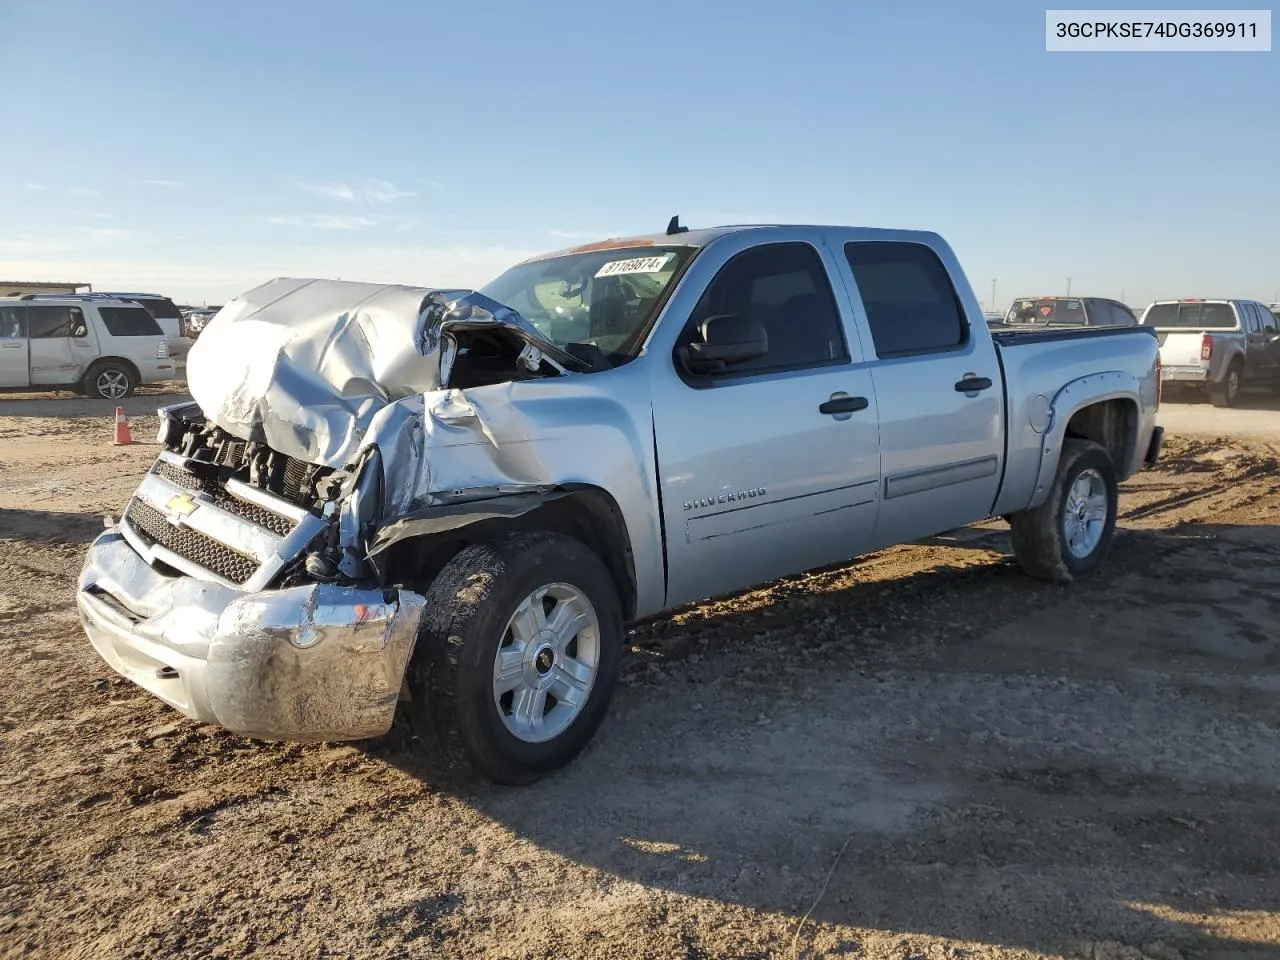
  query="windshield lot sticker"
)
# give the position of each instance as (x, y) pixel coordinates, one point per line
(616, 268)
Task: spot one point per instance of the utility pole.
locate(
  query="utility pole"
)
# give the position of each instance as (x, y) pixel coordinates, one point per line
(993, 296)
(1068, 286)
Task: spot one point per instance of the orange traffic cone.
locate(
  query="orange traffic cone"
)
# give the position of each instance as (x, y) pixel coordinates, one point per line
(123, 435)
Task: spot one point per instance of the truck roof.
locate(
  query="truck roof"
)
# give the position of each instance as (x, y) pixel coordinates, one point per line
(688, 237)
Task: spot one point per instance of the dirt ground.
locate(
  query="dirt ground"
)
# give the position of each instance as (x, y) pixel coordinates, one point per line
(926, 752)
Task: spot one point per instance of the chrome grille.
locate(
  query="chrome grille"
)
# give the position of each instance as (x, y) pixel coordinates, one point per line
(262, 517)
(189, 544)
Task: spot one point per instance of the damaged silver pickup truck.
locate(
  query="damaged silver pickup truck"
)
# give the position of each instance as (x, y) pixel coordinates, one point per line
(452, 501)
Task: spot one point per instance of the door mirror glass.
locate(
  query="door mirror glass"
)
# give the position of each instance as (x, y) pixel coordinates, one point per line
(722, 341)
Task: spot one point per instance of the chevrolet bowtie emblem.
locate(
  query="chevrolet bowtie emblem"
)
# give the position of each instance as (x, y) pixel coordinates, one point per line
(181, 505)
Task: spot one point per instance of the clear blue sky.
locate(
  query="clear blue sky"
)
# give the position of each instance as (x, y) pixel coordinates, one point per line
(202, 148)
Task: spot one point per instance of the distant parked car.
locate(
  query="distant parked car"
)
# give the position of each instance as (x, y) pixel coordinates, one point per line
(1216, 345)
(197, 320)
(100, 346)
(1069, 312)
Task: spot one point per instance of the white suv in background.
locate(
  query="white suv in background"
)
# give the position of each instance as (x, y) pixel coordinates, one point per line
(100, 346)
(167, 315)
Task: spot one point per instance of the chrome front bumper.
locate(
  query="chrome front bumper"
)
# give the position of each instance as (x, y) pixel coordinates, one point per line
(318, 662)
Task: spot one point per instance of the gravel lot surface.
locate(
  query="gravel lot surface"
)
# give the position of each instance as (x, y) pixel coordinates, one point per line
(925, 752)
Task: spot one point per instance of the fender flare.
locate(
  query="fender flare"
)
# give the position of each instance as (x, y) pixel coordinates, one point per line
(1066, 403)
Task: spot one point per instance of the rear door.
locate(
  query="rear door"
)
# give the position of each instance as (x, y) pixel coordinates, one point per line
(60, 344)
(1255, 342)
(770, 468)
(938, 384)
(13, 347)
(1270, 342)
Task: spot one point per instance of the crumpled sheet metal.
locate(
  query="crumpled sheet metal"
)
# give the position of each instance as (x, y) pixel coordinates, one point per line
(303, 365)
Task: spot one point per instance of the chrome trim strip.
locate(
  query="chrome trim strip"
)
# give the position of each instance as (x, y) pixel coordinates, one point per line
(931, 478)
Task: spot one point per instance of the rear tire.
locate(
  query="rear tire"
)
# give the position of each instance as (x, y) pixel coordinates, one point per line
(1227, 393)
(109, 380)
(501, 685)
(1067, 537)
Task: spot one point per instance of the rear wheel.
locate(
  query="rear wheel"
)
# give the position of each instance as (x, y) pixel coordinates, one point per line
(1068, 535)
(110, 381)
(517, 658)
(1227, 393)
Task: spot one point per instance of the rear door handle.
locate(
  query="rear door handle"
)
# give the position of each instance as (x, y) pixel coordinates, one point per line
(843, 403)
(972, 384)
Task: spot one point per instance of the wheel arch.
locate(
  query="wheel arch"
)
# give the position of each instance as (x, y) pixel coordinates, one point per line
(128, 364)
(414, 550)
(1104, 408)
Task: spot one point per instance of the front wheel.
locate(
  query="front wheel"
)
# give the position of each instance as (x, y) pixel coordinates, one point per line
(517, 657)
(1068, 535)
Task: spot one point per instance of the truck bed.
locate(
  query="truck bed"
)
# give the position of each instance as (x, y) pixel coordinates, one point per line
(1012, 336)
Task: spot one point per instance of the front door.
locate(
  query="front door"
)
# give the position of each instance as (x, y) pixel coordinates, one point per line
(55, 333)
(13, 347)
(1271, 342)
(772, 466)
(939, 388)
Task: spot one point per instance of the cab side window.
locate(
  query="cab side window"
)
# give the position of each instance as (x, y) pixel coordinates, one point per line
(911, 304)
(52, 323)
(1248, 319)
(782, 287)
(13, 323)
(1270, 326)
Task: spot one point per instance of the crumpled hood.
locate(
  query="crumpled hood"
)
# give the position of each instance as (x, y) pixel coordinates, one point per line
(304, 365)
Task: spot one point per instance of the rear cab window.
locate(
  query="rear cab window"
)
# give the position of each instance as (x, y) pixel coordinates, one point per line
(129, 322)
(911, 304)
(1191, 314)
(1058, 311)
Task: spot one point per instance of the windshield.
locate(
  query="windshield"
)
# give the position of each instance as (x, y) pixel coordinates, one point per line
(1200, 316)
(607, 298)
(1047, 310)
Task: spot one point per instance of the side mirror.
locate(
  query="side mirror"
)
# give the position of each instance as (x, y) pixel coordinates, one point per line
(723, 340)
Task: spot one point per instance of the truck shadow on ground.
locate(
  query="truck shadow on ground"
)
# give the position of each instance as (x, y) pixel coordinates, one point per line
(74, 406)
(1001, 761)
(49, 526)
(1251, 398)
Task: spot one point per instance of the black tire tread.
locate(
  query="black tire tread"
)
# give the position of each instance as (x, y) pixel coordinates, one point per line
(455, 599)
(1037, 533)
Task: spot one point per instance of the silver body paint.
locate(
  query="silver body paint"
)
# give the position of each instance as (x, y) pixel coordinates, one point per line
(719, 487)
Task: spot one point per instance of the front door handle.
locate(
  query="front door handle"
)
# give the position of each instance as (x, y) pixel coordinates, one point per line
(843, 403)
(972, 384)
(10, 345)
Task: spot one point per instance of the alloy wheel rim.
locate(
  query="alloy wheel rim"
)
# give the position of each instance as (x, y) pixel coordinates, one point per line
(547, 662)
(112, 384)
(1084, 516)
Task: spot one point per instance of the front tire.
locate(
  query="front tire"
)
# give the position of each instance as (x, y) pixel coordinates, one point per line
(517, 657)
(1067, 536)
(1226, 393)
